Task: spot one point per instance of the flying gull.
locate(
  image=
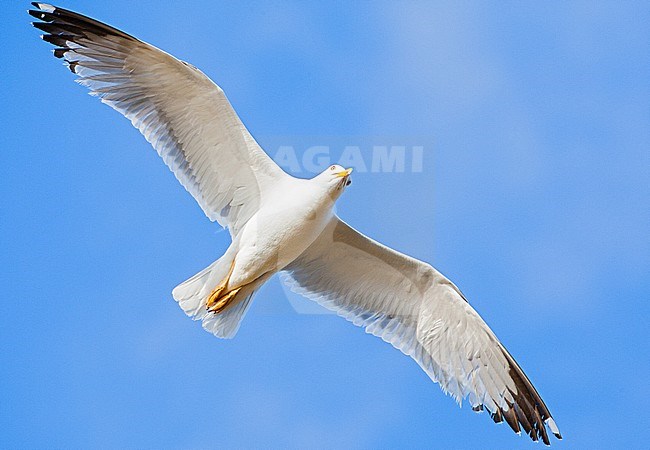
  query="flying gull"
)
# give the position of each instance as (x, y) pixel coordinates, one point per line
(279, 223)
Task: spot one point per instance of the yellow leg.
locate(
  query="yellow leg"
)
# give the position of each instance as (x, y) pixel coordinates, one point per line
(214, 296)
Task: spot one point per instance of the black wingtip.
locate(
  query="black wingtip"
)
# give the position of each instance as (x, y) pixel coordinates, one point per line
(43, 26)
(58, 39)
(72, 20)
(44, 6)
(36, 14)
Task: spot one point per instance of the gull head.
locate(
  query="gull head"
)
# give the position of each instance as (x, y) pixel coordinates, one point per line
(338, 176)
(335, 178)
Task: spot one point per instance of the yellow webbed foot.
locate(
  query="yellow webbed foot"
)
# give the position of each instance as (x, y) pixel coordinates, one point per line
(216, 305)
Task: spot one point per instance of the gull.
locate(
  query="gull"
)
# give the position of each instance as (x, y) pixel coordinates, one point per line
(282, 224)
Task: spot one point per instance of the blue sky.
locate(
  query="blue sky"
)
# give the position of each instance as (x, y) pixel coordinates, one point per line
(533, 198)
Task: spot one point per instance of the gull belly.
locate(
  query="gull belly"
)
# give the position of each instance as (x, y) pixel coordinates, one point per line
(292, 218)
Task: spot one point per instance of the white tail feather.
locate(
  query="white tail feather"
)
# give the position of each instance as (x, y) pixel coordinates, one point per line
(192, 296)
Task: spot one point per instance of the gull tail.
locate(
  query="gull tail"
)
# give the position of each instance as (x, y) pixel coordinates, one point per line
(192, 296)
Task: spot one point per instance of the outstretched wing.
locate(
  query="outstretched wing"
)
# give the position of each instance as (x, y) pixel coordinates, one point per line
(181, 112)
(416, 309)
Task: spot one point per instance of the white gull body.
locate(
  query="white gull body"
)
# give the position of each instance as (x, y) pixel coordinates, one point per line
(281, 223)
(294, 214)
